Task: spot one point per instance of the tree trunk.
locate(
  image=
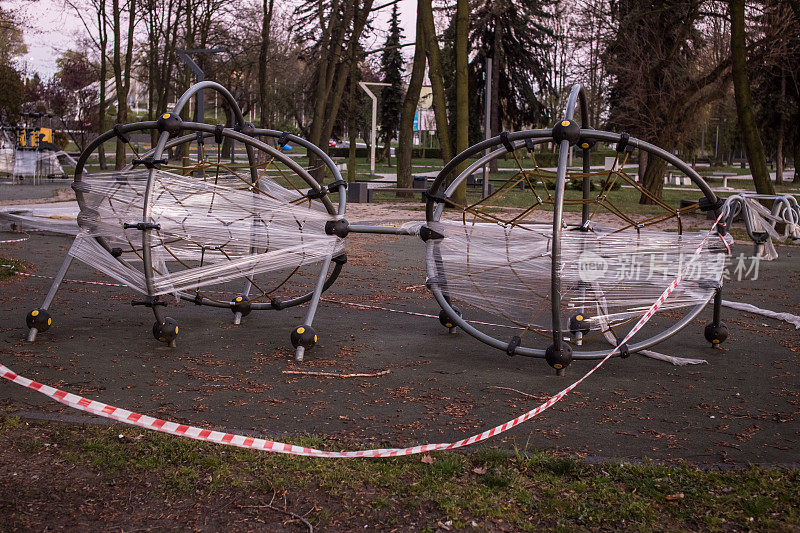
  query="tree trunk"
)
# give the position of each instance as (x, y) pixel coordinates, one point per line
(352, 128)
(102, 26)
(405, 137)
(122, 74)
(497, 65)
(117, 64)
(744, 103)
(780, 134)
(462, 91)
(653, 179)
(266, 23)
(437, 80)
(796, 179)
(642, 165)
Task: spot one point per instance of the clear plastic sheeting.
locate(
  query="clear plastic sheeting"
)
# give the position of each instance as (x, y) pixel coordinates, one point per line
(761, 222)
(207, 233)
(52, 218)
(6, 160)
(6, 153)
(36, 163)
(606, 277)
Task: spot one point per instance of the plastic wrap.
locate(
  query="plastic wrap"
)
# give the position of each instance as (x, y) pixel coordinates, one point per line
(606, 277)
(6, 160)
(56, 219)
(29, 163)
(207, 234)
(762, 219)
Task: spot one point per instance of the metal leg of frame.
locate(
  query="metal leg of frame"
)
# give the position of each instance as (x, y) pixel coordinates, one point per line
(716, 319)
(52, 293)
(312, 307)
(237, 316)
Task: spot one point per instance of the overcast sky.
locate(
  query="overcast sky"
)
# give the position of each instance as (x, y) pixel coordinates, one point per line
(51, 28)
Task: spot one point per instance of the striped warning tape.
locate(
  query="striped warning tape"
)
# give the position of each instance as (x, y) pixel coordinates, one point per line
(243, 441)
(10, 241)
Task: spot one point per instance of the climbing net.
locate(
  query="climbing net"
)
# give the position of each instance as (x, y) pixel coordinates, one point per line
(533, 186)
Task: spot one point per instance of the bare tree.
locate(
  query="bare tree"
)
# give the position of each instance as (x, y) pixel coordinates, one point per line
(410, 103)
(122, 71)
(744, 104)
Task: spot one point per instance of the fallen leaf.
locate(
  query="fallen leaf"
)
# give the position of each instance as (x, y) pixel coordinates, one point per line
(480, 470)
(672, 497)
(427, 459)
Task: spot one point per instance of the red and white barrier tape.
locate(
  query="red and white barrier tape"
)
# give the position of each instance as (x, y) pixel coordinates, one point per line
(10, 241)
(242, 441)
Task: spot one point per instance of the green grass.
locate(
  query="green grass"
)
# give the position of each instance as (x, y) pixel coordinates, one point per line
(528, 490)
(15, 266)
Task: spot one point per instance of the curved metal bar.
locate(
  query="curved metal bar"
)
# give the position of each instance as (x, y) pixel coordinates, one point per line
(308, 145)
(469, 152)
(471, 170)
(577, 96)
(257, 306)
(558, 215)
(433, 212)
(226, 95)
(655, 150)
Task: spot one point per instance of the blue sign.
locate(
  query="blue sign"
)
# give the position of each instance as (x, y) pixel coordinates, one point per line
(416, 121)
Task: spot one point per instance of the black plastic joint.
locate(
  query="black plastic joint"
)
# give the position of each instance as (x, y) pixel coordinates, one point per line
(116, 252)
(706, 205)
(316, 195)
(529, 144)
(587, 143)
(623, 145)
(149, 162)
(121, 136)
(282, 139)
(513, 344)
(624, 351)
(149, 301)
(218, 133)
(200, 137)
(171, 123)
(276, 304)
(198, 300)
(340, 227)
(336, 185)
(340, 259)
(437, 198)
(567, 130)
(142, 226)
(506, 143)
(426, 234)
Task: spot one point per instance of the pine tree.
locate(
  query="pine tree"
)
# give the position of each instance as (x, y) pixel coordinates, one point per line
(514, 34)
(392, 95)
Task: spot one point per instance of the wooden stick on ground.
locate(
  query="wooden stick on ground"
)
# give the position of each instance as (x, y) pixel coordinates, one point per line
(334, 375)
(536, 397)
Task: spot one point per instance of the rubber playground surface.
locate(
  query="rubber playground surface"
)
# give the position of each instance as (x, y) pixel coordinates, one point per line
(742, 407)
